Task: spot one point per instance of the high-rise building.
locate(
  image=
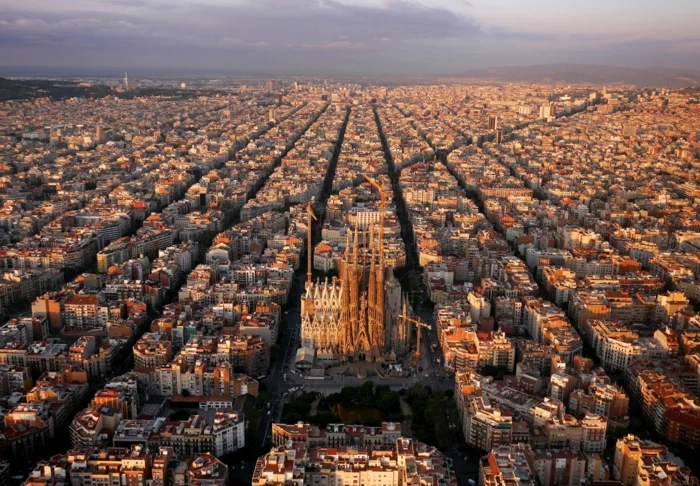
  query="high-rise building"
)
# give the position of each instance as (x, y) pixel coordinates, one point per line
(548, 111)
(493, 122)
(270, 86)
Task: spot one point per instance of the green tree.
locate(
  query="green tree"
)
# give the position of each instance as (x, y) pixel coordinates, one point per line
(367, 389)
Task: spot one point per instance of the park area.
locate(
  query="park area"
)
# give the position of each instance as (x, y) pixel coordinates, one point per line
(427, 415)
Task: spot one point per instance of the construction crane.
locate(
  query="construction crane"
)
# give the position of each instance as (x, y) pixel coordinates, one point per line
(310, 255)
(418, 322)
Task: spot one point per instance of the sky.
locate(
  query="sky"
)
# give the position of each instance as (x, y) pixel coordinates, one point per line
(346, 37)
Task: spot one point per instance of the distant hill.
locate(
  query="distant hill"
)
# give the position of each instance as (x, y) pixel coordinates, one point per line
(18, 89)
(13, 89)
(589, 74)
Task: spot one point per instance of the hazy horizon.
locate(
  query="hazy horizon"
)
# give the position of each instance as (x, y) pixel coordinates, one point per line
(343, 37)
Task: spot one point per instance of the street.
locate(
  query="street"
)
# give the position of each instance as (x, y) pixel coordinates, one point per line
(430, 372)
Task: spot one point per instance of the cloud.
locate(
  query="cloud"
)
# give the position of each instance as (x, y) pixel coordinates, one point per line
(285, 22)
(83, 23)
(231, 41)
(79, 34)
(144, 4)
(298, 32)
(300, 36)
(30, 23)
(127, 3)
(334, 45)
(275, 22)
(498, 32)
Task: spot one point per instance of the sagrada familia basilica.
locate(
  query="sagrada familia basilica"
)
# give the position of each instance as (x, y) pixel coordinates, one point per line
(357, 316)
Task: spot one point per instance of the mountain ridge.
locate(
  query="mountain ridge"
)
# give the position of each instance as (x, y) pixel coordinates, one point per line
(570, 73)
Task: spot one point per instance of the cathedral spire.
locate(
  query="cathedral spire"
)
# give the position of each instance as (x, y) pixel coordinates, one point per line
(372, 249)
(355, 246)
(347, 244)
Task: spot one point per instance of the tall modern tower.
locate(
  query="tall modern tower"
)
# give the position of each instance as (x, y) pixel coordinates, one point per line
(493, 122)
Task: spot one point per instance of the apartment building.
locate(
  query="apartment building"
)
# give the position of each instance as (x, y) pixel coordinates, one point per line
(94, 426)
(630, 455)
(152, 350)
(617, 345)
(486, 425)
(506, 465)
(215, 431)
(602, 399)
(82, 311)
(337, 435)
(403, 462)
